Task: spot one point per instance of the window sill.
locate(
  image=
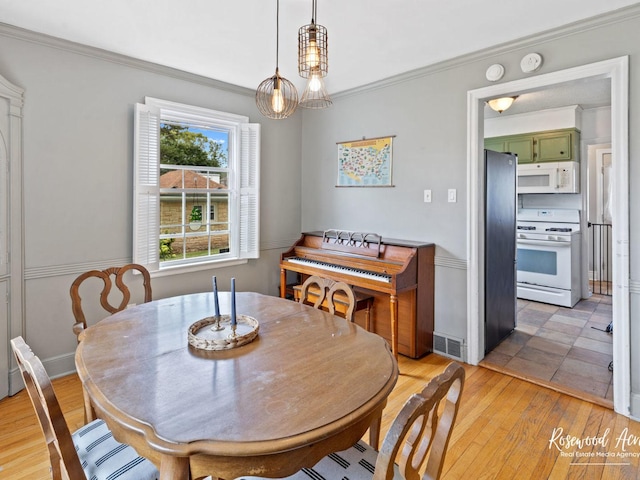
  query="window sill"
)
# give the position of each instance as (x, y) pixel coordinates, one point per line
(180, 269)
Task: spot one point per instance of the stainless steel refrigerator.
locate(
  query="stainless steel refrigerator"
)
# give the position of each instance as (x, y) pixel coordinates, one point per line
(500, 247)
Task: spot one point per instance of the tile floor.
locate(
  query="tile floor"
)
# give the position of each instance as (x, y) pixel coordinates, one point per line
(565, 346)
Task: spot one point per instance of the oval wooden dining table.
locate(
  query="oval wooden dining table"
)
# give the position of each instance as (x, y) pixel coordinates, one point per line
(309, 384)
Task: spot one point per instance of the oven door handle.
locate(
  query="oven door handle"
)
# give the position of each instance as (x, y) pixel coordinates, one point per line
(543, 243)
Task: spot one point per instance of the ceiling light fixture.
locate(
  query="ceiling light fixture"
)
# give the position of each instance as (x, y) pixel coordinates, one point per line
(315, 95)
(312, 62)
(277, 97)
(501, 104)
(312, 47)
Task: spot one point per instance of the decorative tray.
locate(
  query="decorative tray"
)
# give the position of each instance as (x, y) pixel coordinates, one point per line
(211, 334)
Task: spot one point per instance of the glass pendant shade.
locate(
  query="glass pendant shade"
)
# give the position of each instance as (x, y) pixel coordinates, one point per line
(276, 97)
(315, 95)
(312, 50)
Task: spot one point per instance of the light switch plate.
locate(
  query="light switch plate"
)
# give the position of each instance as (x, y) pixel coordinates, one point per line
(452, 195)
(427, 196)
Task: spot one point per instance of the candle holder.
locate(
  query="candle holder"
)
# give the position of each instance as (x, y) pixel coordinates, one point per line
(217, 332)
(216, 327)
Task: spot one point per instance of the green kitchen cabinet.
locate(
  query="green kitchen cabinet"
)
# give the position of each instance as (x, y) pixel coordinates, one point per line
(496, 144)
(523, 147)
(557, 146)
(549, 146)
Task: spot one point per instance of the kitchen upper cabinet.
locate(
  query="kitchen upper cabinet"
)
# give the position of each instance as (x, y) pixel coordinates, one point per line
(550, 146)
(557, 146)
(496, 144)
(523, 147)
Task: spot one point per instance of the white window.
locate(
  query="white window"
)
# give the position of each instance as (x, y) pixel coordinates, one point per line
(199, 206)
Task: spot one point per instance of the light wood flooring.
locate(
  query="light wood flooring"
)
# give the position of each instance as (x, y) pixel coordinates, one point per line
(504, 429)
(564, 348)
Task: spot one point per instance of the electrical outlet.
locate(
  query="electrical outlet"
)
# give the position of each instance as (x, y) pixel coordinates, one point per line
(452, 195)
(427, 196)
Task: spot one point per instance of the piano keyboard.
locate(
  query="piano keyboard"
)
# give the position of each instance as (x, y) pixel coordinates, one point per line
(378, 277)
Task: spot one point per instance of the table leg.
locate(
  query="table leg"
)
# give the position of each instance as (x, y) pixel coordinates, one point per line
(89, 412)
(393, 299)
(174, 468)
(374, 432)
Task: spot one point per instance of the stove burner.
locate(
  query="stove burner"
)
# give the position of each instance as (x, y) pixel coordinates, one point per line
(527, 227)
(557, 229)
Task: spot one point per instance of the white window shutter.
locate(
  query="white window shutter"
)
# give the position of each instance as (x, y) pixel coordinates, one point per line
(250, 190)
(146, 194)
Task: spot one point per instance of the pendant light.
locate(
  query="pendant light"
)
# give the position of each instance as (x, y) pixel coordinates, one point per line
(312, 62)
(315, 94)
(312, 47)
(277, 97)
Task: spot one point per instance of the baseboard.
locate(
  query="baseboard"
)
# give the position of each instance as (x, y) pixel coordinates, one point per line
(635, 406)
(59, 366)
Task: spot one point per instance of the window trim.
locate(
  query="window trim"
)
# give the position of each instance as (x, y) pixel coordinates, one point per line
(244, 182)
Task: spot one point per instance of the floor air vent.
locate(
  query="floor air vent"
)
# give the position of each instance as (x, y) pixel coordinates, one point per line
(449, 346)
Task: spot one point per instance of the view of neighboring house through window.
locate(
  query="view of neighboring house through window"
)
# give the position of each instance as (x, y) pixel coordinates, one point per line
(194, 178)
(197, 178)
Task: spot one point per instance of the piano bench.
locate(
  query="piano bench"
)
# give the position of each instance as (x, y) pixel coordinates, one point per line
(364, 301)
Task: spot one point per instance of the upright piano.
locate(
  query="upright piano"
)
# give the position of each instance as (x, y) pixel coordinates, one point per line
(399, 274)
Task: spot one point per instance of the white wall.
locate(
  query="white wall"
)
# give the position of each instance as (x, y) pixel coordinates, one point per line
(78, 131)
(426, 110)
(78, 142)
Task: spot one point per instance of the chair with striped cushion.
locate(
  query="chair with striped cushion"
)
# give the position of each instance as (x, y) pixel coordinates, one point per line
(90, 452)
(418, 436)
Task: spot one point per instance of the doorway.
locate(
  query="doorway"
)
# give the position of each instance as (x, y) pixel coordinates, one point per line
(617, 70)
(568, 349)
(600, 219)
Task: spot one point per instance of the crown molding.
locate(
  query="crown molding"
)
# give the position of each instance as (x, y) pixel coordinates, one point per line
(11, 31)
(574, 28)
(616, 16)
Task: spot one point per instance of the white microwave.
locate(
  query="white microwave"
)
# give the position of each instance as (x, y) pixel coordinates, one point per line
(549, 177)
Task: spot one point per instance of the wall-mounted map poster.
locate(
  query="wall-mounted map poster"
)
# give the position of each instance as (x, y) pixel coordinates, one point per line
(365, 163)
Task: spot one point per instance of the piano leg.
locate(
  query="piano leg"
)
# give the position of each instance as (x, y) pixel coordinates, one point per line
(283, 283)
(393, 304)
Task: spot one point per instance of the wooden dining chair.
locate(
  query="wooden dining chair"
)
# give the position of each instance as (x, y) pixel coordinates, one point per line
(338, 293)
(313, 291)
(105, 275)
(417, 439)
(90, 452)
(80, 324)
(337, 297)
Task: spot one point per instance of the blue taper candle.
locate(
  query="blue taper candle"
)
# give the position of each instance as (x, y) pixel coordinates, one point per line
(233, 302)
(215, 296)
